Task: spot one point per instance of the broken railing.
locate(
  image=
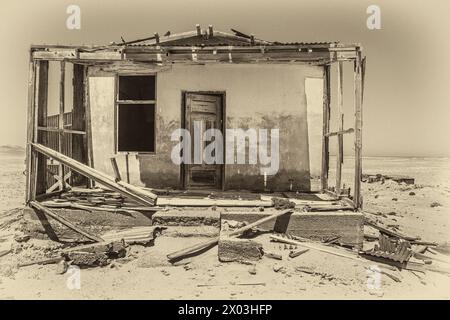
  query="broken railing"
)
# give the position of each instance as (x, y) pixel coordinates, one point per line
(359, 73)
(139, 195)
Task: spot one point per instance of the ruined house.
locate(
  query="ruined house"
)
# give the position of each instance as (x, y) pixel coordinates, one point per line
(113, 108)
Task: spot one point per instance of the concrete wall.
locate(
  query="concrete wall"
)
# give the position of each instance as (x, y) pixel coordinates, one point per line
(257, 96)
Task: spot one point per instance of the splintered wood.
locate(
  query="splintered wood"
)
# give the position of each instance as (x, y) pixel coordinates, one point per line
(387, 248)
(95, 199)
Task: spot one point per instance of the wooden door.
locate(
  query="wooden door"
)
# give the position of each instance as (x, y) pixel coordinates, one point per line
(205, 112)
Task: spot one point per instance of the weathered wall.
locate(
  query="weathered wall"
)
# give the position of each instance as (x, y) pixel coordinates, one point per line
(257, 96)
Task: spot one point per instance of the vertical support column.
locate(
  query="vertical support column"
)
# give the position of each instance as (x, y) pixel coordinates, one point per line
(79, 145)
(340, 137)
(326, 127)
(30, 128)
(88, 125)
(61, 119)
(41, 137)
(358, 130)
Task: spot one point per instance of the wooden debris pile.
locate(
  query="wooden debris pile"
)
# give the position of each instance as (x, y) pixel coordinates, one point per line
(371, 178)
(99, 199)
(392, 249)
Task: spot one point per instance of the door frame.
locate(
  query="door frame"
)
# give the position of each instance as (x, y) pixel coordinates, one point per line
(222, 95)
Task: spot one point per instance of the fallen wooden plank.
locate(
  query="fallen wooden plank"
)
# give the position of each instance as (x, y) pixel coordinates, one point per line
(273, 255)
(317, 247)
(190, 250)
(389, 232)
(206, 202)
(4, 252)
(65, 222)
(123, 188)
(294, 254)
(68, 204)
(42, 262)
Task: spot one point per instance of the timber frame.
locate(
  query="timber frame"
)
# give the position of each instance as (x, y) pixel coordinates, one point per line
(158, 54)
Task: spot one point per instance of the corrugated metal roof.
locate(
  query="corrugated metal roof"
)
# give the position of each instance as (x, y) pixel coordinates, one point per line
(219, 38)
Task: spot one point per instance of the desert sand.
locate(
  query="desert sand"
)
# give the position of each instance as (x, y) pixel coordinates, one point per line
(146, 274)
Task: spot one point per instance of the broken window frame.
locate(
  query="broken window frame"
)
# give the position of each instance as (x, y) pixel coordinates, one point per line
(118, 102)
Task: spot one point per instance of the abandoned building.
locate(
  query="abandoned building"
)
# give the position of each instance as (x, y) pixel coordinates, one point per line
(103, 115)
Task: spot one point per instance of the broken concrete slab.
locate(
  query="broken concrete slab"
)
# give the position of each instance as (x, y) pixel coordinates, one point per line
(88, 259)
(38, 226)
(239, 250)
(347, 225)
(97, 254)
(187, 217)
(192, 231)
(233, 249)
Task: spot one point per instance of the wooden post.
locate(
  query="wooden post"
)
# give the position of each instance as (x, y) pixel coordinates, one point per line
(340, 137)
(325, 127)
(115, 169)
(78, 122)
(30, 128)
(61, 119)
(358, 131)
(127, 164)
(41, 121)
(88, 125)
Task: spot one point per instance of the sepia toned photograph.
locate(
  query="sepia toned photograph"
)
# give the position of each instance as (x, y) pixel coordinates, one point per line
(225, 150)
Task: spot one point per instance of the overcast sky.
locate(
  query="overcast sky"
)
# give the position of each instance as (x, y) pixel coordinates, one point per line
(407, 94)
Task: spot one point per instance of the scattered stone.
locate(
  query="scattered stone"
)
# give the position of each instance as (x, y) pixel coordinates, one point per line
(412, 193)
(234, 224)
(376, 196)
(277, 268)
(62, 267)
(394, 199)
(435, 204)
(252, 270)
(165, 272)
(281, 203)
(22, 238)
(187, 267)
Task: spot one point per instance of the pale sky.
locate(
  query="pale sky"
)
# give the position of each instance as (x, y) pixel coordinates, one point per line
(407, 94)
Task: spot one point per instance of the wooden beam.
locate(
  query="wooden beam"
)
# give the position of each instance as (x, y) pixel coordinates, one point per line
(340, 138)
(115, 169)
(41, 137)
(68, 131)
(30, 127)
(64, 221)
(142, 196)
(358, 131)
(61, 117)
(336, 133)
(78, 122)
(88, 125)
(325, 127)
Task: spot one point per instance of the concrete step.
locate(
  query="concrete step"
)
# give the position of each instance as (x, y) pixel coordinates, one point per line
(187, 217)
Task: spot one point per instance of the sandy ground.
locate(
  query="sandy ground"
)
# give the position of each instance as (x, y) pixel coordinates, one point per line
(146, 274)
